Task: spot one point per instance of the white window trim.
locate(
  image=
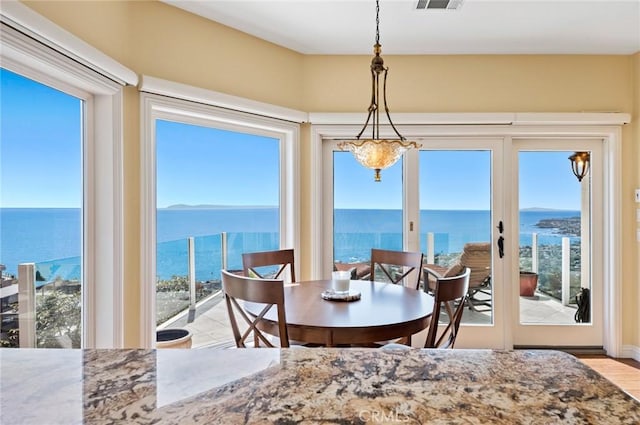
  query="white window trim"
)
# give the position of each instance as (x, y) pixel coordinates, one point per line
(38, 49)
(173, 105)
(606, 126)
(167, 88)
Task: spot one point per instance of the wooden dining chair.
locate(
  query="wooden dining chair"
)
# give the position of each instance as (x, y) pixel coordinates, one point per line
(451, 295)
(396, 266)
(254, 263)
(238, 289)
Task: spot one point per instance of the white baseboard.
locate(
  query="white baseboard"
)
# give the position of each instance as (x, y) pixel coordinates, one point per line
(631, 352)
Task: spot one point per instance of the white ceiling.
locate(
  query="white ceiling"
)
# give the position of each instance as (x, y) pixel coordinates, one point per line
(477, 27)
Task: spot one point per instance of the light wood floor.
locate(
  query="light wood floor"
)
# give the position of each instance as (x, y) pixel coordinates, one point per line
(625, 373)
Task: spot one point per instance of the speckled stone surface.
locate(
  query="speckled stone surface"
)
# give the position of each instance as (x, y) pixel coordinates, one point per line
(301, 386)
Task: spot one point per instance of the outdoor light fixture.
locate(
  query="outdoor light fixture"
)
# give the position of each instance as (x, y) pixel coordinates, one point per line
(580, 164)
(377, 153)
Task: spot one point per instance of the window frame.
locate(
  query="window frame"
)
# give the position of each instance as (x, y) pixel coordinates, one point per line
(170, 101)
(36, 48)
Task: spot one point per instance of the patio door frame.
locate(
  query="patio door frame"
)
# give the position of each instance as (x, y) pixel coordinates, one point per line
(507, 126)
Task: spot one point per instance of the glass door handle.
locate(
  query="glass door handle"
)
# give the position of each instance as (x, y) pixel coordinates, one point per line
(501, 246)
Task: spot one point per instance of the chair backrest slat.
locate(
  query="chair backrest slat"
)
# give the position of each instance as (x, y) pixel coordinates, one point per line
(238, 289)
(284, 258)
(396, 265)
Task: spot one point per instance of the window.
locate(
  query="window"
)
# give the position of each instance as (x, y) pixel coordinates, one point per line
(41, 210)
(217, 196)
(227, 179)
(37, 49)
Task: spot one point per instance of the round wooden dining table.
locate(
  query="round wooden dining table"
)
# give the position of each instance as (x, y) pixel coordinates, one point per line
(385, 311)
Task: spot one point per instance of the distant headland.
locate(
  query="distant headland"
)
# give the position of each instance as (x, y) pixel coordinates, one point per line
(216, 207)
(542, 209)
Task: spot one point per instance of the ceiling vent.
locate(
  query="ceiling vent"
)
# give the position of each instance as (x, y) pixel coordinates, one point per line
(439, 4)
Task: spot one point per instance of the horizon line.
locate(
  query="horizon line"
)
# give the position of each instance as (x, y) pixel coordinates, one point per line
(219, 207)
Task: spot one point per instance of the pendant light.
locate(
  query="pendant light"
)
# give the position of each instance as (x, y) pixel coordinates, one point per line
(376, 152)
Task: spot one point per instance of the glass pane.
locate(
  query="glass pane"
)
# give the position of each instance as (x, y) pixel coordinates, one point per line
(367, 214)
(221, 189)
(40, 215)
(554, 241)
(455, 222)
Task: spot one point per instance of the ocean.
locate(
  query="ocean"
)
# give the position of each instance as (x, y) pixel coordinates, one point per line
(51, 237)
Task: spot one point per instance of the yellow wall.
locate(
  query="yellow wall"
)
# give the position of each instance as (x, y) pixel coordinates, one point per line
(155, 39)
(468, 83)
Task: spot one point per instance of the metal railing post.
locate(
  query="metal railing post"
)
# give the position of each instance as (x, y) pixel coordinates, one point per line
(27, 304)
(192, 273)
(534, 252)
(566, 270)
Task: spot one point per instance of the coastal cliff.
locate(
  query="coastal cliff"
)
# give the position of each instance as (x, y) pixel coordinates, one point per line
(564, 226)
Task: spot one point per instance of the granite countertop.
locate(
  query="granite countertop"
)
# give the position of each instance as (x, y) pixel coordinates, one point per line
(306, 385)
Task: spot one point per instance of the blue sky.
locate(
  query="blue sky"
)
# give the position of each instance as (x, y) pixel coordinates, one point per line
(541, 185)
(199, 165)
(40, 145)
(40, 155)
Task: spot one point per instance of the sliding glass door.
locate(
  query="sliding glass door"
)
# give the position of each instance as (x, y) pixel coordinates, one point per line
(441, 201)
(505, 205)
(460, 210)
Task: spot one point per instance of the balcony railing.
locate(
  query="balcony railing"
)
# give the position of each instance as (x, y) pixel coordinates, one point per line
(188, 270)
(43, 307)
(557, 261)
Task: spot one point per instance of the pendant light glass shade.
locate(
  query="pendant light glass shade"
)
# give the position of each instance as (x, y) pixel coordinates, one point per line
(377, 154)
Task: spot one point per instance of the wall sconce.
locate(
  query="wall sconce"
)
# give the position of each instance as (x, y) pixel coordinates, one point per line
(580, 164)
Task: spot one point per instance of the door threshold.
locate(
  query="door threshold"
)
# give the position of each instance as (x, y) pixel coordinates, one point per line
(576, 351)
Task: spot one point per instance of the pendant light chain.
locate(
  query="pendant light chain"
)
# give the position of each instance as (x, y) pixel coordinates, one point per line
(377, 22)
(375, 125)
